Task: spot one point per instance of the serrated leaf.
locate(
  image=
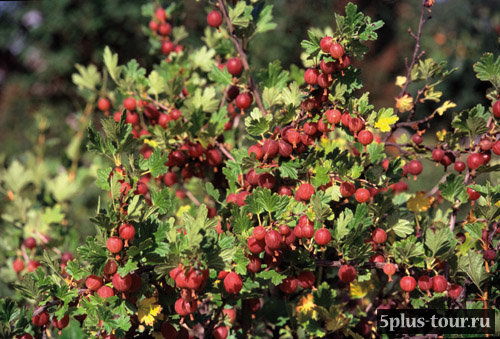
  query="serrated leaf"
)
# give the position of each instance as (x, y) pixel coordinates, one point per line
(265, 23)
(440, 241)
(271, 96)
(156, 83)
(87, 77)
(488, 69)
(111, 62)
(403, 228)
(291, 95)
(209, 187)
(275, 277)
(473, 265)
(288, 169)
(454, 188)
(385, 119)
(220, 76)
(241, 14)
(156, 162)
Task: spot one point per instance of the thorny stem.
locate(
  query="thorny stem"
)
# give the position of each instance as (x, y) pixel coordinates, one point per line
(243, 56)
(225, 151)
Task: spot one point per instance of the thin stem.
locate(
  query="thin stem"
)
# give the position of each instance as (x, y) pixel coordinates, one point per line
(252, 86)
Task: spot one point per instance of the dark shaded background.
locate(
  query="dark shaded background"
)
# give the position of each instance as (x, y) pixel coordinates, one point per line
(40, 41)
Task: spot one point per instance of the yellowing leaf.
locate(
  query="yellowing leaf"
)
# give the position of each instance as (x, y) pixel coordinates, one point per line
(151, 143)
(385, 119)
(306, 306)
(405, 103)
(182, 210)
(419, 203)
(360, 289)
(431, 94)
(445, 106)
(497, 204)
(148, 311)
(400, 81)
(441, 134)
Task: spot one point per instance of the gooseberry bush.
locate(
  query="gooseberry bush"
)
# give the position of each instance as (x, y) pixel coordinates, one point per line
(261, 203)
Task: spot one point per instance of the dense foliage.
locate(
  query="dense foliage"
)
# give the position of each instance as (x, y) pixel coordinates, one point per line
(264, 203)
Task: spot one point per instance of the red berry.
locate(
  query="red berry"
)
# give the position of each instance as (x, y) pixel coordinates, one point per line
(259, 232)
(230, 313)
(377, 258)
(322, 236)
(310, 128)
(30, 243)
(356, 124)
(244, 100)
(285, 190)
(24, 336)
(379, 236)
(110, 267)
(324, 81)
(305, 191)
(214, 18)
(347, 273)
(234, 66)
(257, 150)
(292, 136)
(288, 285)
(18, 265)
(132, 118)
(414, 167)
(473, 194)
(454, 291)
(183, 307)
(214, 157)
(254, 264)
(327, 67)
(60, 323)
(220, 332)
(129, 103)
(365, 137)
(459, 166)
(267, 180)
(347, 189)
(270, 148)
(496, 109)
(170, 178)
(489, 254)
(345, 119)
(255, 246)
(93, 282)
(167, 47)
(41, 319)
(306, 279)
(474, 161)
(424, 283)
(407, 283)
(122, 284)
(333, 116)
(103, 104)
(362, 195)
(284, 149)
(437, 154)
(311, 76)
(168, 331)
(164, 29)
(417, 138)
(485, 144)
(33, 265)
(273, 239)
(160, 14)
(496, 147)
(389, 270)
(336, 51)
(114, 244)
(233, 283)
(105, 292)
(326, 43)
(439, 283)
(126, 231)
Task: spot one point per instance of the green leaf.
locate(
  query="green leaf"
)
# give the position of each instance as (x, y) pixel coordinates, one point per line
(156, 83)
(203, 100)
(220, 76)
(241, 14)
(157, 162)
(274, 76)
(130, 266)
(209, 187)
(473, 265)
(376, 152)
(271, 96)
(288, 169)
(203, 58)
(343, 221)
(454, 189)
(439, 242)
(291, 95)
(111, 62)
(403, 228)
(409, 248)
(87, 77)
(162, 199)
(275, 277)
(103, 178)
(264, 22)
(321, 210)
(488, 69)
